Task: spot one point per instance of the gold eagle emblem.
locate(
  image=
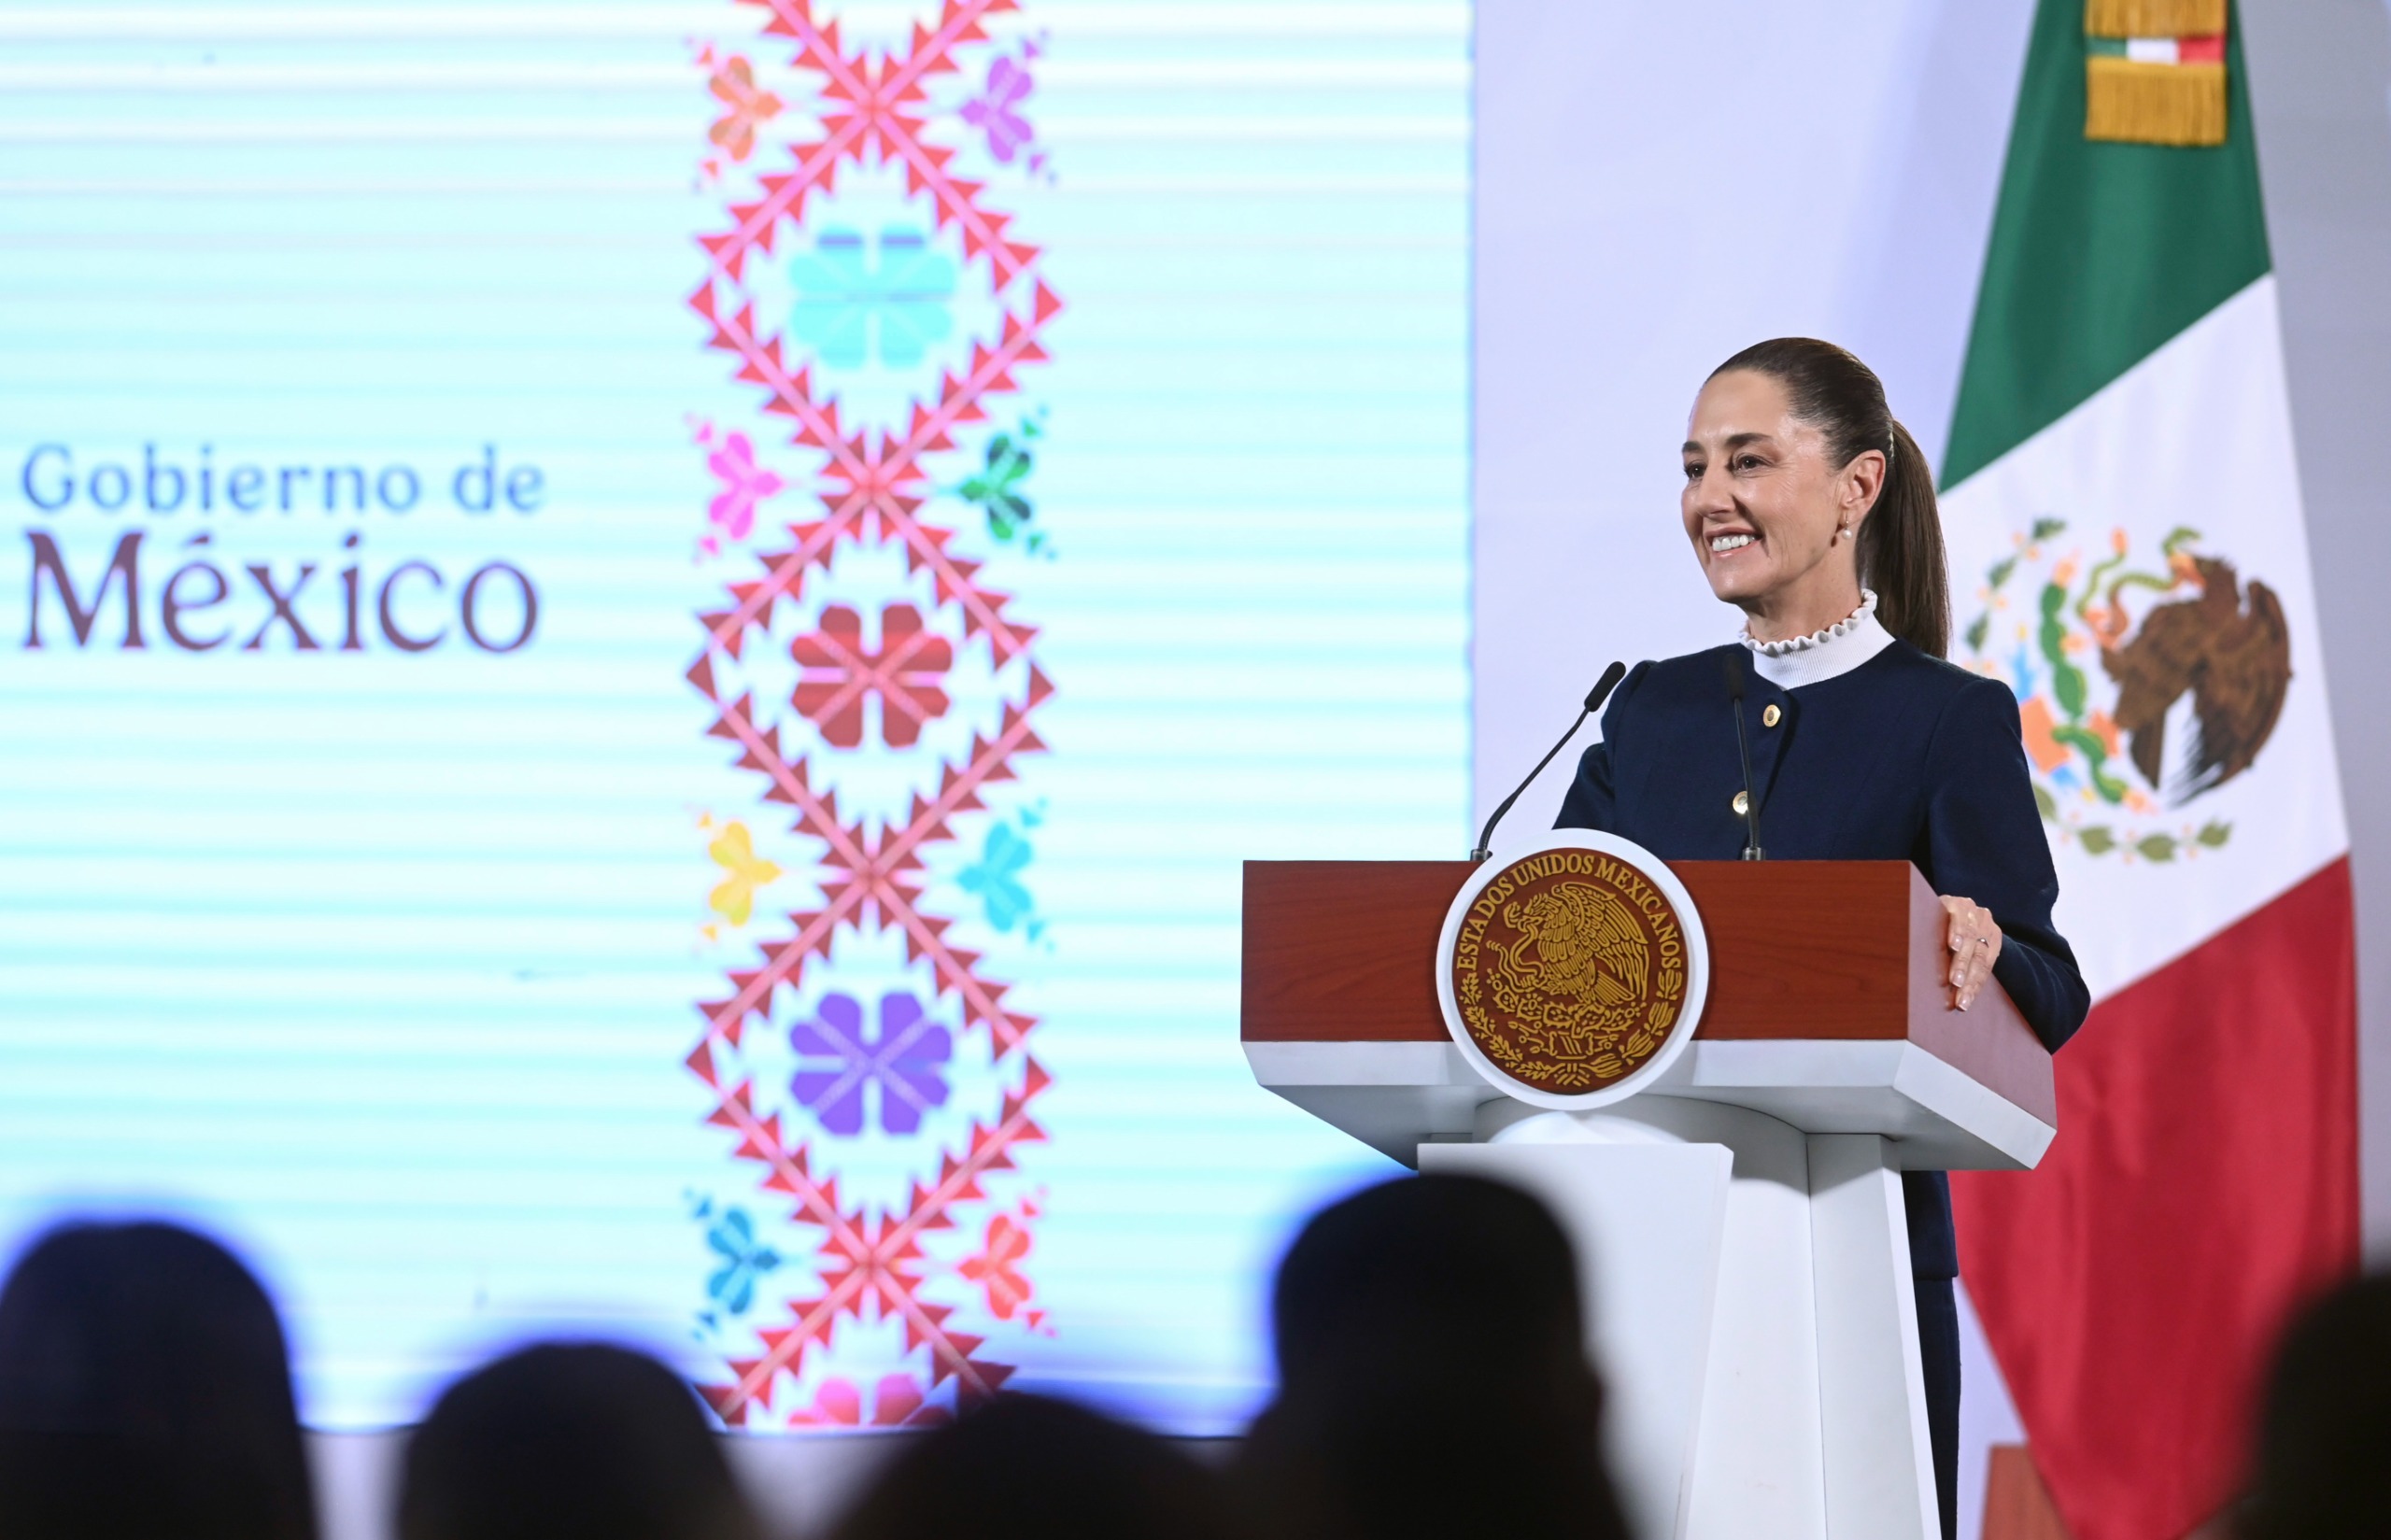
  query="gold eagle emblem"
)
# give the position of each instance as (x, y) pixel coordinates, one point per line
(1569, 971)
(1580, 963)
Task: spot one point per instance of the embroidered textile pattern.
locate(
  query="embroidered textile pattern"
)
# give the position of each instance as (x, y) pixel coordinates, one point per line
(876, 690)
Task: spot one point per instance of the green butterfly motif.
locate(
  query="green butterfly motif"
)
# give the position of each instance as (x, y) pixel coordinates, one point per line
(996, 488)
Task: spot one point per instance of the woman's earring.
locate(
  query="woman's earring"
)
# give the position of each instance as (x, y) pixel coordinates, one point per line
(1843, 534)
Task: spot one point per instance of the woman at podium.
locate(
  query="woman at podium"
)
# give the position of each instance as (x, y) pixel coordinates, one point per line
(1810, 509)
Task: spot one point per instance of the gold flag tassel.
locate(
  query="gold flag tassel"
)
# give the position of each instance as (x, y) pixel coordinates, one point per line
(2154, 18)
(2130, 102)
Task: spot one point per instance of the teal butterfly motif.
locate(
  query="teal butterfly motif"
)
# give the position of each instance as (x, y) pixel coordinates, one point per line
(995, 878)
(744, 1259)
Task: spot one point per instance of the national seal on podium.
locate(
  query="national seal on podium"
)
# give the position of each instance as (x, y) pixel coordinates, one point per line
(1573, 975)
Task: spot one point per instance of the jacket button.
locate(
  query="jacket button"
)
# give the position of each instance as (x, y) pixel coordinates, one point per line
(1771, 716)
(1741, 804)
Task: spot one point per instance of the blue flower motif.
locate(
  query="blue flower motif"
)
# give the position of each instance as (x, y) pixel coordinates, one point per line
(744, 1259)
(837, 1062)
(895, 297)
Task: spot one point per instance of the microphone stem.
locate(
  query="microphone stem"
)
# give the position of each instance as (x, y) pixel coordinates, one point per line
(1486, 835)
(1595, 698)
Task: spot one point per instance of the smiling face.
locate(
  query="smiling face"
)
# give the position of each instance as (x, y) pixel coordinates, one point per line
(1763, 505)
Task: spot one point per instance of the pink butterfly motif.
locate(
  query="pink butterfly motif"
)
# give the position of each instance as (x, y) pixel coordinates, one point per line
(992, 111)
(744, 484)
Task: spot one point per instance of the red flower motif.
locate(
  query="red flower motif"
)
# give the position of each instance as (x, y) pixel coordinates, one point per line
(746, 107)
(995, 1270)
(835, 674)
(896, 1403)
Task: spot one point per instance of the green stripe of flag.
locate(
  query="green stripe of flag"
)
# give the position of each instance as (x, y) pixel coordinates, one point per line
(2100, 252)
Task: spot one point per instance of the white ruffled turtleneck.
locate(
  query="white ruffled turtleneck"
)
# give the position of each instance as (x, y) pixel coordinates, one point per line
(1821, 656)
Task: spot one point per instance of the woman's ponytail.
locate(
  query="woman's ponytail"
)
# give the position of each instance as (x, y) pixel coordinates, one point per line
(1900, 552)
(1901, 541)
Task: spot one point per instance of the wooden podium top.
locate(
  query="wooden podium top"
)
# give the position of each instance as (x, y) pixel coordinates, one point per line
(1801, 952)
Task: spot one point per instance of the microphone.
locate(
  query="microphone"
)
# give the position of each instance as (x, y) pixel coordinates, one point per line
(1595, 698)
(1732, 663)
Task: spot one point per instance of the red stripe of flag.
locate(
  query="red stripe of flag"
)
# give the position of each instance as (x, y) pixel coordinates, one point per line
(2203, 1184)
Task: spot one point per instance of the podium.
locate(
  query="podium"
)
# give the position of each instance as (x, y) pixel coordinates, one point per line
(1739, 1221)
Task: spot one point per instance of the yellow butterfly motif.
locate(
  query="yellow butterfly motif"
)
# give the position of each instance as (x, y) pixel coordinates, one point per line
(744, 871)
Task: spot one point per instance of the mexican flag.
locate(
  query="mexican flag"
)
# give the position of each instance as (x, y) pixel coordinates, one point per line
(2128, 553)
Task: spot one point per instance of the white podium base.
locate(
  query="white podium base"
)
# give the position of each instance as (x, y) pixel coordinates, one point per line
(1750, 1306)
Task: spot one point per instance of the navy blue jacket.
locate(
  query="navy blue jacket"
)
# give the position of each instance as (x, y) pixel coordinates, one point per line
(1903, 758)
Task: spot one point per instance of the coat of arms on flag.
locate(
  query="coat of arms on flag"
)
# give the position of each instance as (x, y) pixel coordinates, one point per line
(2142, 681)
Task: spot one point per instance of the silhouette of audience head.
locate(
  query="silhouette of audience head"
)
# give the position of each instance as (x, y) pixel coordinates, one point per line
(2324, 1458)
(1025, 1468)
(145, 1390)
(570, 1439)
(1432, 1375)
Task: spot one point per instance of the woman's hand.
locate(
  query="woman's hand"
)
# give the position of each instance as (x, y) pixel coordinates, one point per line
(1976, 941)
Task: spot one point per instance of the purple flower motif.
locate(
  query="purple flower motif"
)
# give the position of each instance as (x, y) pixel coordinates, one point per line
(992, 111)
(905, 1060)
